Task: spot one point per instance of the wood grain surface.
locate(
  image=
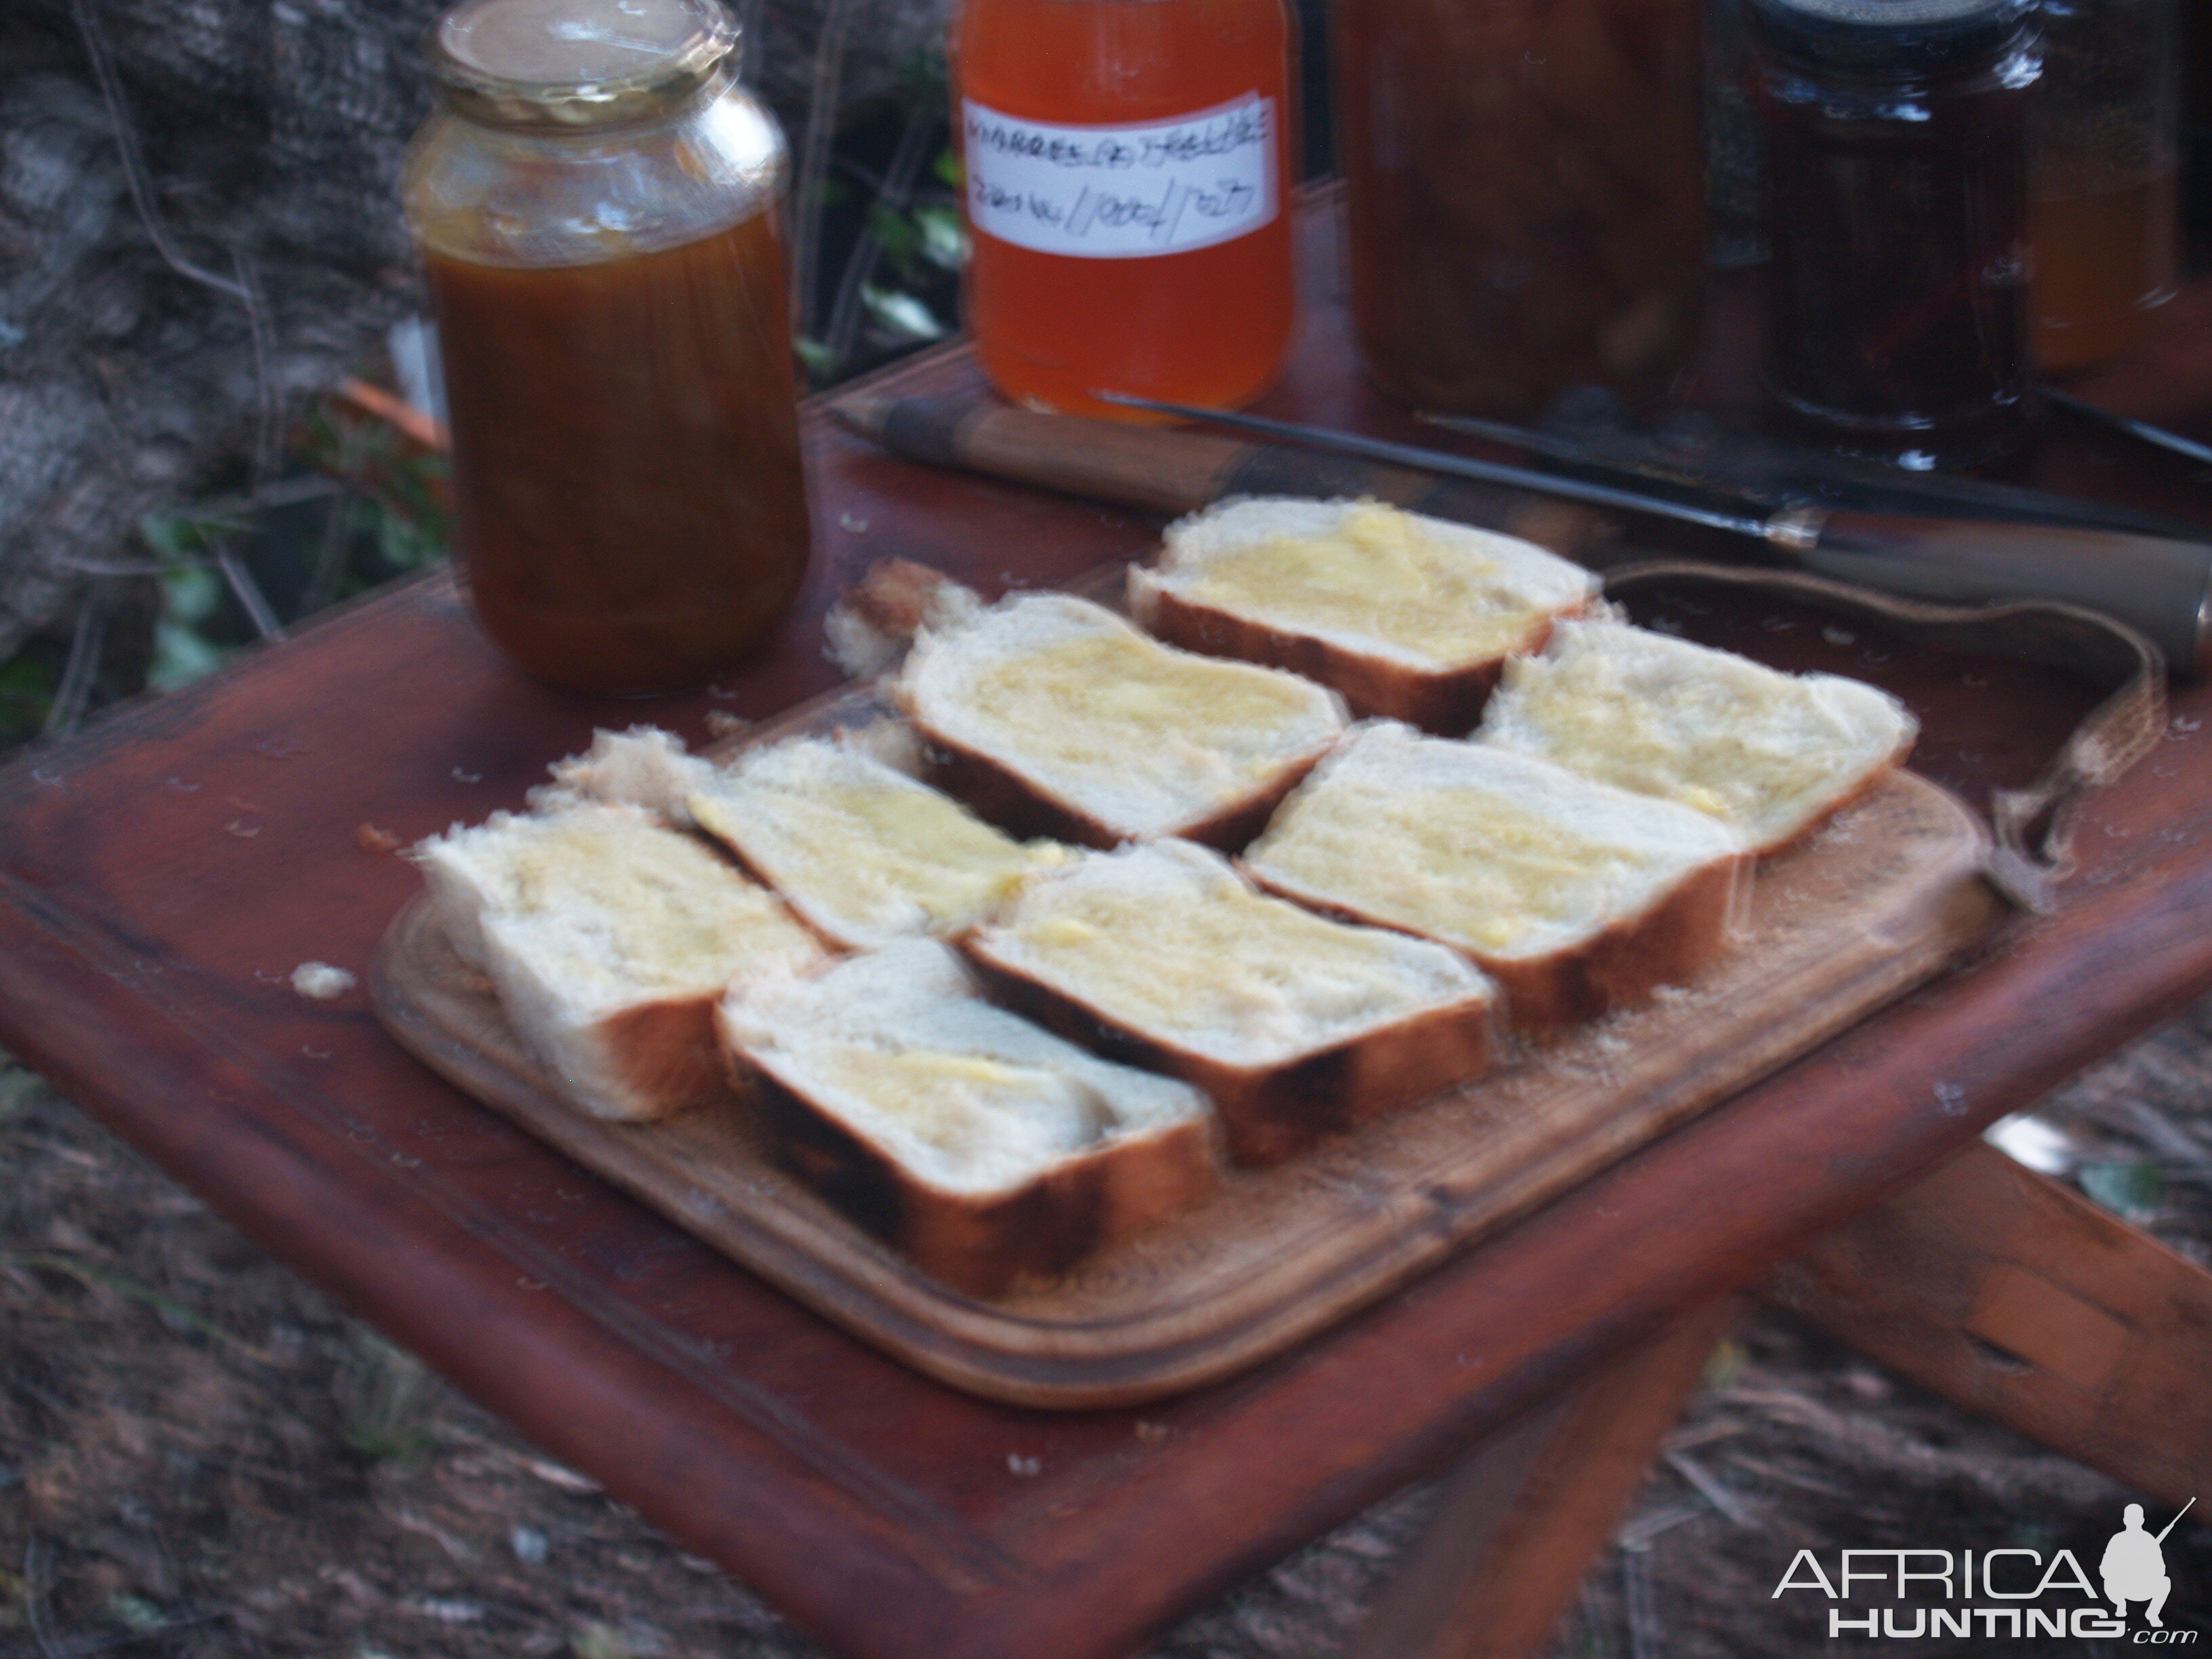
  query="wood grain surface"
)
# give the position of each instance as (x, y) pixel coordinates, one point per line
(162, 875)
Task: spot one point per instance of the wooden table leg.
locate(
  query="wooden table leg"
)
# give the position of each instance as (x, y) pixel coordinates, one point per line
(2018, 1299)
(2003, 1292)
(1519, 1521)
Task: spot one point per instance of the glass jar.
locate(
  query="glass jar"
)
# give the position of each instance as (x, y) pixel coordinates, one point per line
(1525, 183)
(1126, 166)
(596, 200)
(1896, 211)
(2104, 176)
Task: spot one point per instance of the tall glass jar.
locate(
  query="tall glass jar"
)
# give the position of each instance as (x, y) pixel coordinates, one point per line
(1525, 180)
(596, 200)
(1896, 204)
(1127, 164)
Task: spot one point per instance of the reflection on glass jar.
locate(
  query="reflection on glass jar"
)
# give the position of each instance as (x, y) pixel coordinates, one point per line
(2104, 172)
(596, 202)
(1525, 180)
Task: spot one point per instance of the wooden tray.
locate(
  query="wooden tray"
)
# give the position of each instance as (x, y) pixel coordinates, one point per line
(1877, 902)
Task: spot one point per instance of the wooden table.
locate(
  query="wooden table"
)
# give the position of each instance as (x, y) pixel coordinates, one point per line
(163, 875)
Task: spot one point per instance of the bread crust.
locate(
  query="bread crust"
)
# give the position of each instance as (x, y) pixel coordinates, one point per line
(662, 1057)
(1447, 701)
(1859, 791)
(986, 1244)
(1269, 1114)
(994, 791)
(1621, 966)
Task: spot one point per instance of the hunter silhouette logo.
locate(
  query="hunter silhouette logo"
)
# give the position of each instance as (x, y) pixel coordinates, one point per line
(2011, 1593)
(2134, 1567)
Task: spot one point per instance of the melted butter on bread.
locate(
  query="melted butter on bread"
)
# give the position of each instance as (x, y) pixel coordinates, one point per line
(1504, 856)
(1763, 751)
(961, 1105)
(1081, 702)
(1170, 940)
(1378, 572)
(866, 852)
(617, 902)
(1491, 874)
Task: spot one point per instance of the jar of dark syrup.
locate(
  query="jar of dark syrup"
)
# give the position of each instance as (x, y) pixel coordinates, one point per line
(597, 203)
(1896, 210)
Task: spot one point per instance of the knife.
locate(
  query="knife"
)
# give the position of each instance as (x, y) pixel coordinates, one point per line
(2162, 586)
(1691, 460)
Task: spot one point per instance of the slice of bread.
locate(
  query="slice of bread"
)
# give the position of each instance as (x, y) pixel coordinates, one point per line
(1576, 897)
(986, 1150)
(1768, 754)
(644, 767)
(609, 939)
(1407, 616)
(1053, 716)
(864, 852)
(1297, 1025)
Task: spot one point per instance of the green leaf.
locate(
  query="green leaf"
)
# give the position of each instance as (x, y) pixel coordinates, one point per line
(902, 313)
(596, 1641)
(135, 1612)
(944, 234)
(949, 171)
(189, 594)
(898, 236)
(181, 655)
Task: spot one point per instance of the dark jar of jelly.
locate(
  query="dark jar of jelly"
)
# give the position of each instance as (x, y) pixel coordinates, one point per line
(597, 203)
(1896, 211)
(1524, 187)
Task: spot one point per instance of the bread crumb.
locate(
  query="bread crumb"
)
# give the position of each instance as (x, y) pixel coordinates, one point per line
(321, 981)
(1025, 1466)
(856, 645)
(722, 723)
(1150, 1433)
(374, 838)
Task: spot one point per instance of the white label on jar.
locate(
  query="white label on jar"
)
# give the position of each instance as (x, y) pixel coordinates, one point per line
(1121, 192)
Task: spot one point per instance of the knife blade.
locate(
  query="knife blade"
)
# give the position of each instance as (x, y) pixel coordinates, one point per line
(1691, 460)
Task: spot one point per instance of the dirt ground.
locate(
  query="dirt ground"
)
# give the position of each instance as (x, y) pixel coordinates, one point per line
(201, 1458)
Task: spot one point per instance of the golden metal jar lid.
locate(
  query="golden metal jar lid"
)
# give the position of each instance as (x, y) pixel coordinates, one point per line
(569, 63)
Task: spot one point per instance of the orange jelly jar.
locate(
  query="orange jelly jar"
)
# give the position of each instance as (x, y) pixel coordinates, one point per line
(1126, 163)
(596, 204)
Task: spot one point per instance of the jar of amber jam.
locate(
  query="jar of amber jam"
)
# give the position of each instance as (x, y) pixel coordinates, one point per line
(1127, 167)
(597, 203)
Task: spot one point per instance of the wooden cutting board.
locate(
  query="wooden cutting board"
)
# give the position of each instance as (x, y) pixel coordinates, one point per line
(1874, 903)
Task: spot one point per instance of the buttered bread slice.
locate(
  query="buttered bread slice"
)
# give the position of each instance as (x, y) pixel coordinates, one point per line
(1053, 716)
(1770, 755)
(983, 1148)
(1296, 1025)
(1407, 616)
(1578, 899)
(609, 939)
(865, 853)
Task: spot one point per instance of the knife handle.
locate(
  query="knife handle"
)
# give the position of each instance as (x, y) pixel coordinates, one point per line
(2162, 587)
(1174, 471)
